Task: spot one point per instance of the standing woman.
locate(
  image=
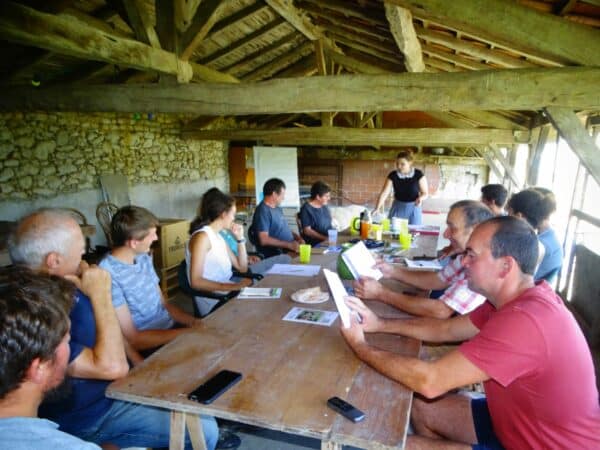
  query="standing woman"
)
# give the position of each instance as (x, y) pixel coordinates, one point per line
(410, 189)
(209, 259)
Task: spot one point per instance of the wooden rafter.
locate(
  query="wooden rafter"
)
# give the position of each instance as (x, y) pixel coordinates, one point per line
(524, 89)
(27, 26)
(305, 67)
(290, 38)
(257, 34)
(458, 60)
(207, 15)
(515, 26)
(354, 64)
(239, 16)
(140, 22)
(478, 51)
(363, 136)
(278, 63)
(184, 12)
(572, 130)
(401, 26)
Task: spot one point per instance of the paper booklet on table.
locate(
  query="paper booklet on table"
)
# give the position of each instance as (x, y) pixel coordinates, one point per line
(360, 262)
(260, 293)
(338, 292)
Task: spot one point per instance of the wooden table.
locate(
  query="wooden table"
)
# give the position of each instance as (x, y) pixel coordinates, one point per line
(289, 369)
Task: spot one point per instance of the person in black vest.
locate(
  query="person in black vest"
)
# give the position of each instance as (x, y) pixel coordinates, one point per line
(410, 189)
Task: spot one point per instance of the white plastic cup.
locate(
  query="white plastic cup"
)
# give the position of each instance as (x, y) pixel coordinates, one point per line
(332, 237)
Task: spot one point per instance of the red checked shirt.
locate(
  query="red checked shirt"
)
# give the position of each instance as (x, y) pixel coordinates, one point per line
(457, 295)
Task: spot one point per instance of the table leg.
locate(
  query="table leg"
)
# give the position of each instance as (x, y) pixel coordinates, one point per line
(177, 434)
(194, 427)
(330, 445)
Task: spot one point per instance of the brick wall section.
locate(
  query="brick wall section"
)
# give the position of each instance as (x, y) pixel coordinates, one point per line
(363, 180)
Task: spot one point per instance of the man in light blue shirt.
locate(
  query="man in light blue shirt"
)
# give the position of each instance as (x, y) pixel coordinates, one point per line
(34, 330)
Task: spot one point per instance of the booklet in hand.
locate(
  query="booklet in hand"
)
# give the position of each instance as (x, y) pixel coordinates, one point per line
(338, 292)
(360, 262)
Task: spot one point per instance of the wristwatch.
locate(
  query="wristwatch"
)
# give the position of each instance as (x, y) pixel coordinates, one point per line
(241, 241)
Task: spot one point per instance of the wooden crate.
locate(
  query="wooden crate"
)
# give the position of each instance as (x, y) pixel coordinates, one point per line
(169, 283)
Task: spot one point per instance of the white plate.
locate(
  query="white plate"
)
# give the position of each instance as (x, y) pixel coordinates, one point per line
(322, 299)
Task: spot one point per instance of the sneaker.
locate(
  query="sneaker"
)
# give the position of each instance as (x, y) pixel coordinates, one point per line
(228, 440)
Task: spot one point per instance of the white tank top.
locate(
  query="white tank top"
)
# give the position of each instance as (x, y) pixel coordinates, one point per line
(217, 265)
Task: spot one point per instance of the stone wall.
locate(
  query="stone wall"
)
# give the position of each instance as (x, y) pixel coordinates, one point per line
(55, 159)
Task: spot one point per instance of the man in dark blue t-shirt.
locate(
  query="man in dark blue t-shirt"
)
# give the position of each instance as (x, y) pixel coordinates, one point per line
(272, 235)
(51, 241)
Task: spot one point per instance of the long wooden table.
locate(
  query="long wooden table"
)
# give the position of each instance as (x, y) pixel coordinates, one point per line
(289, 371)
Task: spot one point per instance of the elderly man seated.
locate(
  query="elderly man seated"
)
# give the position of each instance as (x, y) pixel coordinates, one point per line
(463, 217)
(522, 343)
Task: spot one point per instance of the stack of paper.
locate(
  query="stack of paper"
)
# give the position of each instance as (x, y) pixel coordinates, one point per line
(298, 270)
(360, 262)
(260, 293)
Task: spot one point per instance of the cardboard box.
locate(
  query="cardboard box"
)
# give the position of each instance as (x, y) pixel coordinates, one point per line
(169, 250)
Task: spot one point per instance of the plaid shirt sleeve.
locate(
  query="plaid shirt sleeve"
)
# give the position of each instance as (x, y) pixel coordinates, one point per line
(458, 296)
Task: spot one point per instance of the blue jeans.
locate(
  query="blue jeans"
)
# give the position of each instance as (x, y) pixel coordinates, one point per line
(486, 438)
(131, 425)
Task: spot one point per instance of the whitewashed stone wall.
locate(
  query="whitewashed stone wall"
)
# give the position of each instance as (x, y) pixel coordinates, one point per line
(54, 159)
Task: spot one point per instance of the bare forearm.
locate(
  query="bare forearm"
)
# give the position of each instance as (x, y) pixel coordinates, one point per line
(144, 340)
(109, 349)
(411, 372)
(422, 328)
(212, 286)
(418, 306)
(308, 231)
(269, 241)
(421, 280)
(179, 315)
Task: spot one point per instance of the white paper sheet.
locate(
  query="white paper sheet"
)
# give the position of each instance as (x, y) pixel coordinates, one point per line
(338, 291)
(260, 293)
(297, 270)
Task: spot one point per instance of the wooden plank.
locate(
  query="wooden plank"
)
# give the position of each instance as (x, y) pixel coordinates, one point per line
(177, 431)
(536, 155)
(493, 120)
(184, 12)
(479, 51)
(239, 16)
(515, 26)
(362, 136)
(354, 64)
(491, 163)
(243, 41)
(526, 89)
(196, 432)
(572, 130)
(508, 170)
(401, 26)
(140, 22)
(462, 61)
(326, 117)
(207, 15)
(27, 26)
(279, 63)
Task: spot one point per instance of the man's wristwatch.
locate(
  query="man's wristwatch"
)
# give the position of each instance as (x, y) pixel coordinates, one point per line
(241, 241)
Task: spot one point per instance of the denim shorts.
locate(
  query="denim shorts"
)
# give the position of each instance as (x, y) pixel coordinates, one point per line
(486, 438)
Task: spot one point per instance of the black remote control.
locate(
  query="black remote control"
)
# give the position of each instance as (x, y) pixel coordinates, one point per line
(345, 409)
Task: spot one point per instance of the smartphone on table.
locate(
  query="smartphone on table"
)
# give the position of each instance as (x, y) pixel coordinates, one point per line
(210, 390)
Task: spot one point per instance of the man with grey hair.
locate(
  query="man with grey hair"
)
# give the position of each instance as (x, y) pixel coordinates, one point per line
(462, 219)
(51, 241)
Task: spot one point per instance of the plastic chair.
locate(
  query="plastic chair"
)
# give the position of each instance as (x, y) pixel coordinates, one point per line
(185, 287)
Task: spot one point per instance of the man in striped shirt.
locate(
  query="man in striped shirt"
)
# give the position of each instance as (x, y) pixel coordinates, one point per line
(462, 219)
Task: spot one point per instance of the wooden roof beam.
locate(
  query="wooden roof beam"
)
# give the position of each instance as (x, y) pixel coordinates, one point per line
(278, 63)
(207, 15)
(364, 136)
(454, 58)
(572, 130)
(140, 22)
(354, 64)
(515, 26)
(239, 16)
(27, 26)
(508, 89)
(383, 53)
(256, 34)
(401, 26)
(344, 8)
(469, 48)
(260, 52)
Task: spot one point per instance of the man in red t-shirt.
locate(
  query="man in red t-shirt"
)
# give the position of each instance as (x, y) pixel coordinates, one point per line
(522, 343)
